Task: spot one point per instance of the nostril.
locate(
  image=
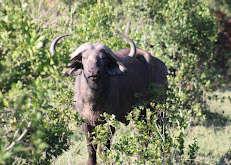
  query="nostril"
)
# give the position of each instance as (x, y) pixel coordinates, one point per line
(90, 72)
(93, 72)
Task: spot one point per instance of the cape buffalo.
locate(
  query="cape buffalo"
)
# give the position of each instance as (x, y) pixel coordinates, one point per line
(106, 81)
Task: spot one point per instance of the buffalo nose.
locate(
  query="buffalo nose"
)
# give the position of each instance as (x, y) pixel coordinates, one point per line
(94, 71)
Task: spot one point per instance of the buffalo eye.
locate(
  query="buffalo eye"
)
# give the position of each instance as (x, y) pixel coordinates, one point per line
(111, 64)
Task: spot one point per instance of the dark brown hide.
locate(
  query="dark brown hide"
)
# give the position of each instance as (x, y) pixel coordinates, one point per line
(114, 94)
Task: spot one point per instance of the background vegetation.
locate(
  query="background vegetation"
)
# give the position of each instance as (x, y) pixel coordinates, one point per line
(39, 124)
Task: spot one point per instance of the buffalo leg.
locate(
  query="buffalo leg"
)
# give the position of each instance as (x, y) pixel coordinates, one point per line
(88, 129)
(108, 145)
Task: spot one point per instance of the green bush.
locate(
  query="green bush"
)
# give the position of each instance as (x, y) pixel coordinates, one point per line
(34, 127)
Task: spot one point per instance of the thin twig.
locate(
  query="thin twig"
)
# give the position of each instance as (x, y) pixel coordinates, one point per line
(39, 9)
(16, 133)
(68, 158)
(159, 132)
(77, 148)
(19, 138)
(127, 28)
(72, 12)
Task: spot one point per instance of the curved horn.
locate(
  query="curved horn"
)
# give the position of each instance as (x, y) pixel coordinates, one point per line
(54, 42)
(130, 56)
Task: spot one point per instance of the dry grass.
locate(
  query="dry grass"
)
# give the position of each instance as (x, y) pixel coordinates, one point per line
(214, 136)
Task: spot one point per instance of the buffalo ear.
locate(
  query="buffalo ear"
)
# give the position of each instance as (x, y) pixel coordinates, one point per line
(74, 69)
(72, 72)
(113, 69)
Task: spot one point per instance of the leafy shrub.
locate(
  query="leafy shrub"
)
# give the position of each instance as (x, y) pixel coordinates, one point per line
(187, 39)
(32, 131)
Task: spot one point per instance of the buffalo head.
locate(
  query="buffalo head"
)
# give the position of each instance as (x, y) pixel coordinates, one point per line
(96, 59)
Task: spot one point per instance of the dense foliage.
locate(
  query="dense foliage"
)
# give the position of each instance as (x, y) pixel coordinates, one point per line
(221, 5)
(31, 119)
(35, 99)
